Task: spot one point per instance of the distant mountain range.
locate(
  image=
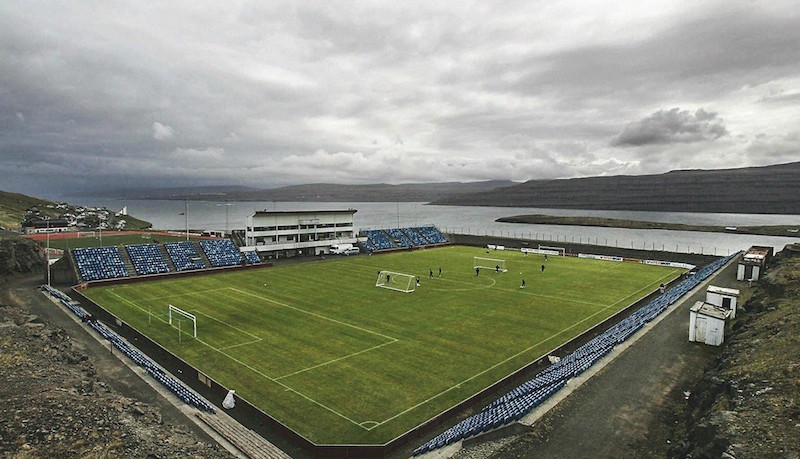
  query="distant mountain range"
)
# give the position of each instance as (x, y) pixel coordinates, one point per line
(767, 190)
(753, 190)
(323, 192)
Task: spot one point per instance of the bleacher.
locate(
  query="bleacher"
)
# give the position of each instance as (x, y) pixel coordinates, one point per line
(414, 236)
(184, 255)
(147, 259)
(221, 252)
(96, 263)
(392, 238)
(517, 403)
(175, 386)
(252, 257)
(432, 235)
(400, 239)
(378, 239)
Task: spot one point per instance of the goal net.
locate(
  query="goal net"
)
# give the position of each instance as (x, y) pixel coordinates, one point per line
(552, 250)
(489, 263)
(179, 315)
(400, 282)
(86, 234)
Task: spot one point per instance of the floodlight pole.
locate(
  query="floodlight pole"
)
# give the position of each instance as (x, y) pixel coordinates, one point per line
(48, 253)
(186, 216)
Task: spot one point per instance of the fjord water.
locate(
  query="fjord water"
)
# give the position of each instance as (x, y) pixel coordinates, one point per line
(220, 215)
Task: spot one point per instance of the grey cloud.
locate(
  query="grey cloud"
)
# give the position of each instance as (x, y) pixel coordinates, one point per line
(672, 126)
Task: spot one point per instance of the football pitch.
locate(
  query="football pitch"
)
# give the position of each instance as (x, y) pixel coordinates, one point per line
(323, 350)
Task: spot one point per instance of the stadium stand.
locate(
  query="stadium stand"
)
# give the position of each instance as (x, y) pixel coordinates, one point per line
(398, 237)
(95, 263)
(414, 236)
(221, 252)
(175, 386)
(521, 400)
(147, 259)
(184, 255)
(433, 235)
(252, 257)
(378, 239)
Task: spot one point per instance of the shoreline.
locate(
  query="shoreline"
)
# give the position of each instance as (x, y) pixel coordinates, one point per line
(539, 219)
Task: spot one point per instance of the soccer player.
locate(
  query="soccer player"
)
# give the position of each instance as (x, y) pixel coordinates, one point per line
(440, 271)
(477, 270)
(542, 268)
(430, 273)
(496, 268)
(417, 281)
(388, 277)
(545, 257)
(523, 284)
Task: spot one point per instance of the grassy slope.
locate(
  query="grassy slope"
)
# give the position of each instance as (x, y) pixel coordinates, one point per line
(13, 205)
(339, 360)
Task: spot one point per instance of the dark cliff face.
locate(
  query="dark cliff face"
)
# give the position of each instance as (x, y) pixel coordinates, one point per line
(770, 189)
(21, 256)
(748, 402)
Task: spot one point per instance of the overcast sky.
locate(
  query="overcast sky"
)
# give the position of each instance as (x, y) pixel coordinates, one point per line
(264, 94)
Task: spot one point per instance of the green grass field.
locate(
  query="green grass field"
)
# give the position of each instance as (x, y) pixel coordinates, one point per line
(340, 361)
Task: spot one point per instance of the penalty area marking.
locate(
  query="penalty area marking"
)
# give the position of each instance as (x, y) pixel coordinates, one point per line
(256, 371)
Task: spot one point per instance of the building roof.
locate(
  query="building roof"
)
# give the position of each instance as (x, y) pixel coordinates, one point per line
(302, 212)
(723, 290)
(710, 310)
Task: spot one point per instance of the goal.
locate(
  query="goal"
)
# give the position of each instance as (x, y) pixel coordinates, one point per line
(183, 315)
(86, 234)
(552, 250)
(489, 263)
(400, 282)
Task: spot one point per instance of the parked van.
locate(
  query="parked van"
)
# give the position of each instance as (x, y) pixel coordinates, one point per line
(351, 251)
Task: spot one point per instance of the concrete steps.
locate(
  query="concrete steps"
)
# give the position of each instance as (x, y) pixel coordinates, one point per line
(248, 442)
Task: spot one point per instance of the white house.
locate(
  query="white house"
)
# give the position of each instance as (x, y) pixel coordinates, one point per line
(726, 298)
(707, 323)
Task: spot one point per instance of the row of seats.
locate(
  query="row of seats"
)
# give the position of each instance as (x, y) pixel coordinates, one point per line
(252, 257)
(392, 238)
(175, 386)
(221, 252)
(184, 255)
(432, 235)
(147, 259)
(95, 263)
(522, 399)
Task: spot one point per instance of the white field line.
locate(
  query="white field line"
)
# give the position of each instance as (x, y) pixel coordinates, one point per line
(390, 338)
(457, 385)
(254, 370)
(334, 360)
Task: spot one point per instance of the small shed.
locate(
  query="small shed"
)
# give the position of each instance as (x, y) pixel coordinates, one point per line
(753, 263)
(707, 323)
(726, 298)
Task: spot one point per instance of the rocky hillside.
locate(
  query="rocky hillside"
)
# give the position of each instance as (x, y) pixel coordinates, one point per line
(756, 190)
(57, 404)
(748, 403)
(21, 256)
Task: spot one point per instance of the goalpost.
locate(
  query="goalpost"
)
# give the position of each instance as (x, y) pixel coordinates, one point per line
(489, 263)
(561, 251)
(180, 312)
(86, 234)
(400, 282)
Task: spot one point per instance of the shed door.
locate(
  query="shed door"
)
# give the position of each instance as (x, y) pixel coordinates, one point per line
(740, 272)
(755, 273)
(726, 302)
(700, 329)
